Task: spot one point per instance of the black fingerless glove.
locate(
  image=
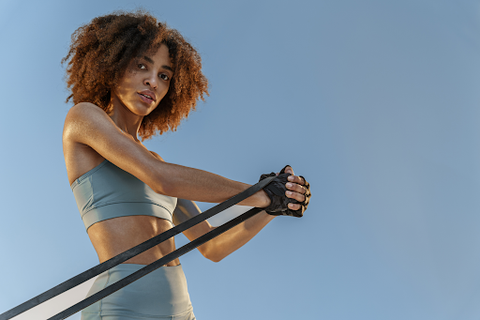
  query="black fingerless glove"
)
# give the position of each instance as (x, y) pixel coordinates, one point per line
(279, 201)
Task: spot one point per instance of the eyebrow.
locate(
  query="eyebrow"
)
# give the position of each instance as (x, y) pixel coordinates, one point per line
(151, 61)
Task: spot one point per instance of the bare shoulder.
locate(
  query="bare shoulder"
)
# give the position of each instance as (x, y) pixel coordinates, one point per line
(90, 136)
(85, 119)
(84, 111)
(80, 157)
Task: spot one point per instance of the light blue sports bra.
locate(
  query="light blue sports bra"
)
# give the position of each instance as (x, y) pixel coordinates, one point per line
(107, 192)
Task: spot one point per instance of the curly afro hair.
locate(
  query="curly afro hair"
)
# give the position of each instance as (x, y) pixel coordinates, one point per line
(101, 51)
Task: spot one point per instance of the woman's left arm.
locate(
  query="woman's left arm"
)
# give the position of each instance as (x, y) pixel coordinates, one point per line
(233, 239)
(226, 243)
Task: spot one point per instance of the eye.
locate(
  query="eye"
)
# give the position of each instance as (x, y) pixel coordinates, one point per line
(141, 66)
(164, 76)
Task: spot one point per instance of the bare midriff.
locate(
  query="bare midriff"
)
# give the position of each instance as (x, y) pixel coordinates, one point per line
(114, 236)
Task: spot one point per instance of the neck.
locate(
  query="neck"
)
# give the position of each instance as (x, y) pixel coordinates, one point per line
(126, 120)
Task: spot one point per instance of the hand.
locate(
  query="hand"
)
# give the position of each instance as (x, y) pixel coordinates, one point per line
(296, 189)
(289, 194)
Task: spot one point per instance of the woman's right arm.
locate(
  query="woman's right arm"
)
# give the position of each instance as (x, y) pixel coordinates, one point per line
(88, 125)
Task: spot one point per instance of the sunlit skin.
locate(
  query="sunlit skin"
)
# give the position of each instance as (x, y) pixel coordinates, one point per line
(91, 135)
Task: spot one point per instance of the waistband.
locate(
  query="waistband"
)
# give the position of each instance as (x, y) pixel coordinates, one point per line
(161, 293)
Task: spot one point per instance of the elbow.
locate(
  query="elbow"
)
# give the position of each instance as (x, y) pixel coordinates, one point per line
(213, 258)
(211, 254)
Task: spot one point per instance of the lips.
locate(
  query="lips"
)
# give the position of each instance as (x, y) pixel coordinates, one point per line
(147, 96)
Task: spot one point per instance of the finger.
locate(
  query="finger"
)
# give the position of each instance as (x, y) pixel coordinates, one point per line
(289, 169)
(295, 187)
(294, 206)
(295, 195)
(296, 179)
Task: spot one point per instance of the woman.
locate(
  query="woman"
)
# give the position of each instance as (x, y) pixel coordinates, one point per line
(132, 77)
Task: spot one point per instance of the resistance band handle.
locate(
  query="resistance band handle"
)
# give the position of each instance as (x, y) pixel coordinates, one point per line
(124, 256)
(154, 265)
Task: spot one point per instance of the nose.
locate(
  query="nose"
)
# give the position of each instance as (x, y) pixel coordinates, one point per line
(152, 82)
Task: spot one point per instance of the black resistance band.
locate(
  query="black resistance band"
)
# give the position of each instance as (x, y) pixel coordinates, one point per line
(154, 265)
(124, 256)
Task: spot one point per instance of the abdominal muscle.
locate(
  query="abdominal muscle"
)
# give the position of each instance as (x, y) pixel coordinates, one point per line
(114, 236)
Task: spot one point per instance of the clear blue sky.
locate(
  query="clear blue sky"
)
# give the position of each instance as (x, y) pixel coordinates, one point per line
(375, 102)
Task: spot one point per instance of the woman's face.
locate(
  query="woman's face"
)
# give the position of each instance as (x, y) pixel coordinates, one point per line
(145, 83)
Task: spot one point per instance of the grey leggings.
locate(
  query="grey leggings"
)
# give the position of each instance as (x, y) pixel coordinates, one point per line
(159, 295)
